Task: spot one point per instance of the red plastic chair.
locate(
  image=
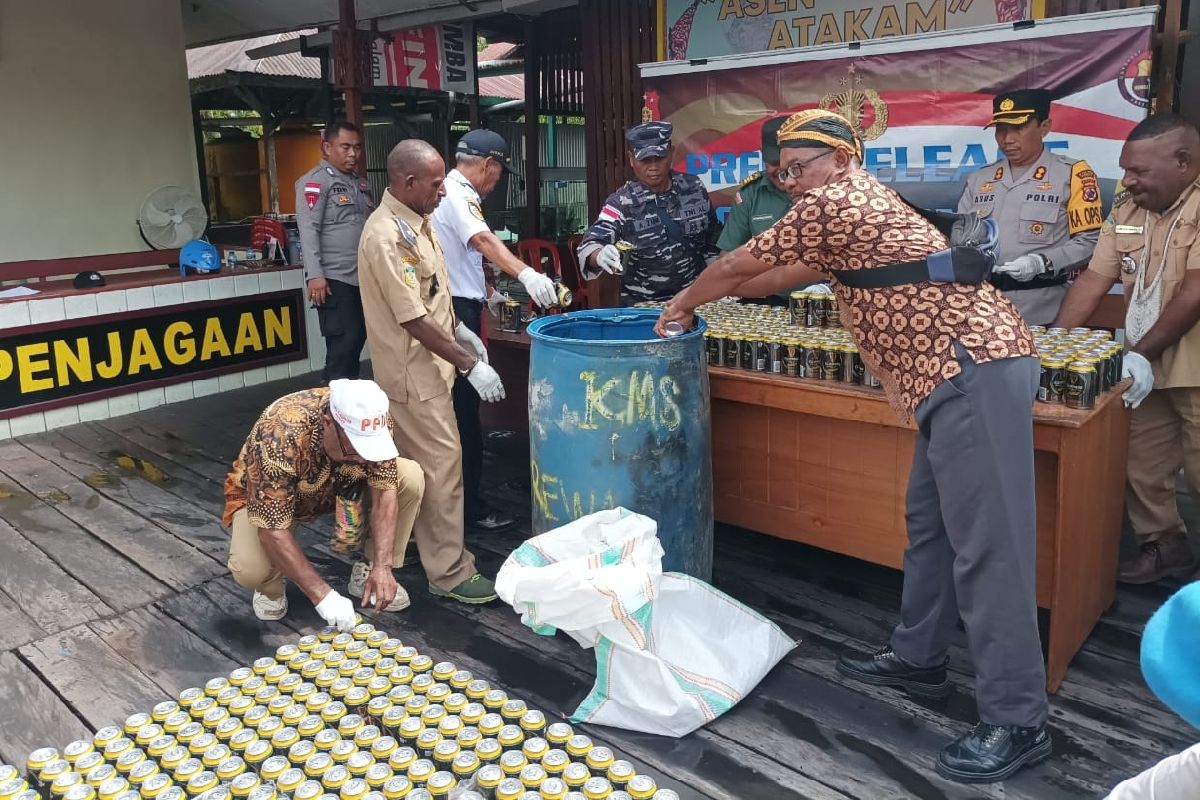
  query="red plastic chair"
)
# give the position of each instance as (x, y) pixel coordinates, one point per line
(543, 256)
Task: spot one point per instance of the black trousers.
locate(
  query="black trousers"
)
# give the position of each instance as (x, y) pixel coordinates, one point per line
(466, 412)
(345, 331)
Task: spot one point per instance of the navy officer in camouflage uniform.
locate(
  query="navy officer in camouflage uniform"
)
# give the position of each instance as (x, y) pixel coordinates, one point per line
(1046, 206)
(332, 205)
(665, 215)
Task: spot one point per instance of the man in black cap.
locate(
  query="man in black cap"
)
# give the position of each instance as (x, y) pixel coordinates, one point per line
(1047, 206)
(481, 159)
(665, 216)
(760, 200)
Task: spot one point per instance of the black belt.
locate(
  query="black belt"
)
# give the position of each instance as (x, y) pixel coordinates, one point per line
(1007, 283)
(967, 265)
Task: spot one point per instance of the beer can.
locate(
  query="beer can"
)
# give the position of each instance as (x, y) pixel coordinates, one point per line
(553, 789)
(439, 784)
(576, 775)
(599, 759)
(732, 355)
(814, 361)
(242, 785)
(597, 788)
(510, 736)
(1081, 385)
(619, 774)
(335, 777)
(746, 353)
(420, 771)
(819, 303)
(849, 356)
(509, 789)
(831, 363)
(512, 762)
(510, 316)
(489, 751)
(535, 748)
(426, 741)
(358, 763)
(641, 787)
(798, 307)
(625, 250)
(833, 313)
(532, 775)
(83, 765)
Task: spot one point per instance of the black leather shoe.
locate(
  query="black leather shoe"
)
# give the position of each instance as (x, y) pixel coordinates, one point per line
(993, 752)
(885, 668)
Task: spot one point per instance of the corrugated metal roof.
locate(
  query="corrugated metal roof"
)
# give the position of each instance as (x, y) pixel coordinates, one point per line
(510, 87)
(497, 51)
(217, 59)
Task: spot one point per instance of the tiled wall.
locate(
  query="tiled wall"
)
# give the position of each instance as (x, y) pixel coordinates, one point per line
(56, 309)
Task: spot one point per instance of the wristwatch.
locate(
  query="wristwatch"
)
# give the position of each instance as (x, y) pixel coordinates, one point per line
(462, 373)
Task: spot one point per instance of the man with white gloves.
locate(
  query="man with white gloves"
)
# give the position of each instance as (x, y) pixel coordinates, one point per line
(481, 159)
(1046, 206)
(1149, 242)
(417, 348)
(308, 453)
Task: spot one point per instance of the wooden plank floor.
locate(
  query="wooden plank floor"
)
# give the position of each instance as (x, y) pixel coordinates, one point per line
(114, 595)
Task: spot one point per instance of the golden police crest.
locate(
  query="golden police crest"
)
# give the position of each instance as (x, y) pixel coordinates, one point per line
(1007, 104)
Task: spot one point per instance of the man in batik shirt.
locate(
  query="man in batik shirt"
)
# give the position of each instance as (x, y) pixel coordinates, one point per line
(958, 358)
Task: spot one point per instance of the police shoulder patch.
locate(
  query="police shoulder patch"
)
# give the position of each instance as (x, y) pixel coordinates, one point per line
(409, 267)
(749, 179)
(475, 210)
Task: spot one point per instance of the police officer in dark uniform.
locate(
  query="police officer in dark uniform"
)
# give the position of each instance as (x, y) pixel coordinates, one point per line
(1046, 206)
(666, 216)
(332, 205)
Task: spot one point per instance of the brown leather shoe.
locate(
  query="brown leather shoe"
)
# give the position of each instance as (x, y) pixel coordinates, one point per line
(1169, 557)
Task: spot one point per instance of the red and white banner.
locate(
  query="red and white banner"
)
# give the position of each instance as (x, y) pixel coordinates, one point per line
(920, 102)
(437, 57)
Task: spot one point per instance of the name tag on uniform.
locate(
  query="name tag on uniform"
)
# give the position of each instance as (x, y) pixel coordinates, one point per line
(1127, 229)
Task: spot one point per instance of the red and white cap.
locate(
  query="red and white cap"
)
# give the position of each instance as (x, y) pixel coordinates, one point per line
(361, 408)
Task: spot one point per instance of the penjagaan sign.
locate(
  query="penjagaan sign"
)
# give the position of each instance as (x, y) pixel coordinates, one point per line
(63, 363)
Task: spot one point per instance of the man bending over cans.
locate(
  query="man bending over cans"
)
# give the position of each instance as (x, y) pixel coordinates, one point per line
(952, 352)
(309, 453)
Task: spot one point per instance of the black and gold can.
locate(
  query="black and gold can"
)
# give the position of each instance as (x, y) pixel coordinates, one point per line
(814, 360)
(798, 307)
(1052, 385)
(733, 349)
(790, 355)
(1081, 385)
(746, 352)
(831, 362)
(714, 344)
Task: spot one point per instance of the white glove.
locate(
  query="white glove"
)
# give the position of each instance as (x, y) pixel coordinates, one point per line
(1023, 268)
(539, 287)
(496, 300)
(1137, 367)
(470, 342)
(609, 259)
(337, 611)
(487, 382)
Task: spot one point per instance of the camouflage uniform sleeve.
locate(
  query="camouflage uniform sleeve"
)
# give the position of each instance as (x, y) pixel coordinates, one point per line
(610, 226)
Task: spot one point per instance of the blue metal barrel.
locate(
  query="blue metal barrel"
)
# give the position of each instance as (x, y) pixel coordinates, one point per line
(620, 417)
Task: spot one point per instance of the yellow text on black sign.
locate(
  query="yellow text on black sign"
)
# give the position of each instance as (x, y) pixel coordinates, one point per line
(165, 345)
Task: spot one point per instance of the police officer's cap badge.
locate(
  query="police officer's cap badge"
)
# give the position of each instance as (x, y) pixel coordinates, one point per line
(406, 231)
(1007, 104)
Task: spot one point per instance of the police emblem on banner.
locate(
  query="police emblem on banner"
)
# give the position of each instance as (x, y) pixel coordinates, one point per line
(1134, 79)
(863, 107)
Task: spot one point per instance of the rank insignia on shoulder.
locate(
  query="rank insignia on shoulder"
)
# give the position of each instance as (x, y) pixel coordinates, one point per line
(406, 231)
(331, 172)
(999, 176)
(1045, 187)
(1120, 196)
(749, 179)
(987, 187)
(1039, 173)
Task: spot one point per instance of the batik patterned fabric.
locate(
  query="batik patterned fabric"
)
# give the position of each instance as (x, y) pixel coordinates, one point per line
(283, 475)
(905, 334)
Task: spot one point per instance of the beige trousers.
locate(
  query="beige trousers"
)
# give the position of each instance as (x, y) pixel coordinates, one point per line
(426, 432)
(1164, 435)
(250, 566)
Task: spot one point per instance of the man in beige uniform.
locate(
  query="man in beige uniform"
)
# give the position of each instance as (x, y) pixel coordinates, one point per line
(416, 346)
(1149, 242)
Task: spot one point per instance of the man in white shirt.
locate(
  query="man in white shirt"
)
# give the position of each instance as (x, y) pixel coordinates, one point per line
(481, 159)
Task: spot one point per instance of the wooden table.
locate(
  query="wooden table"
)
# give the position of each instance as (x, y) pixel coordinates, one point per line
(827, 464)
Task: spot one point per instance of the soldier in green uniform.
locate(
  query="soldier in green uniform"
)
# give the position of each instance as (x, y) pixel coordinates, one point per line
(760, 201)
